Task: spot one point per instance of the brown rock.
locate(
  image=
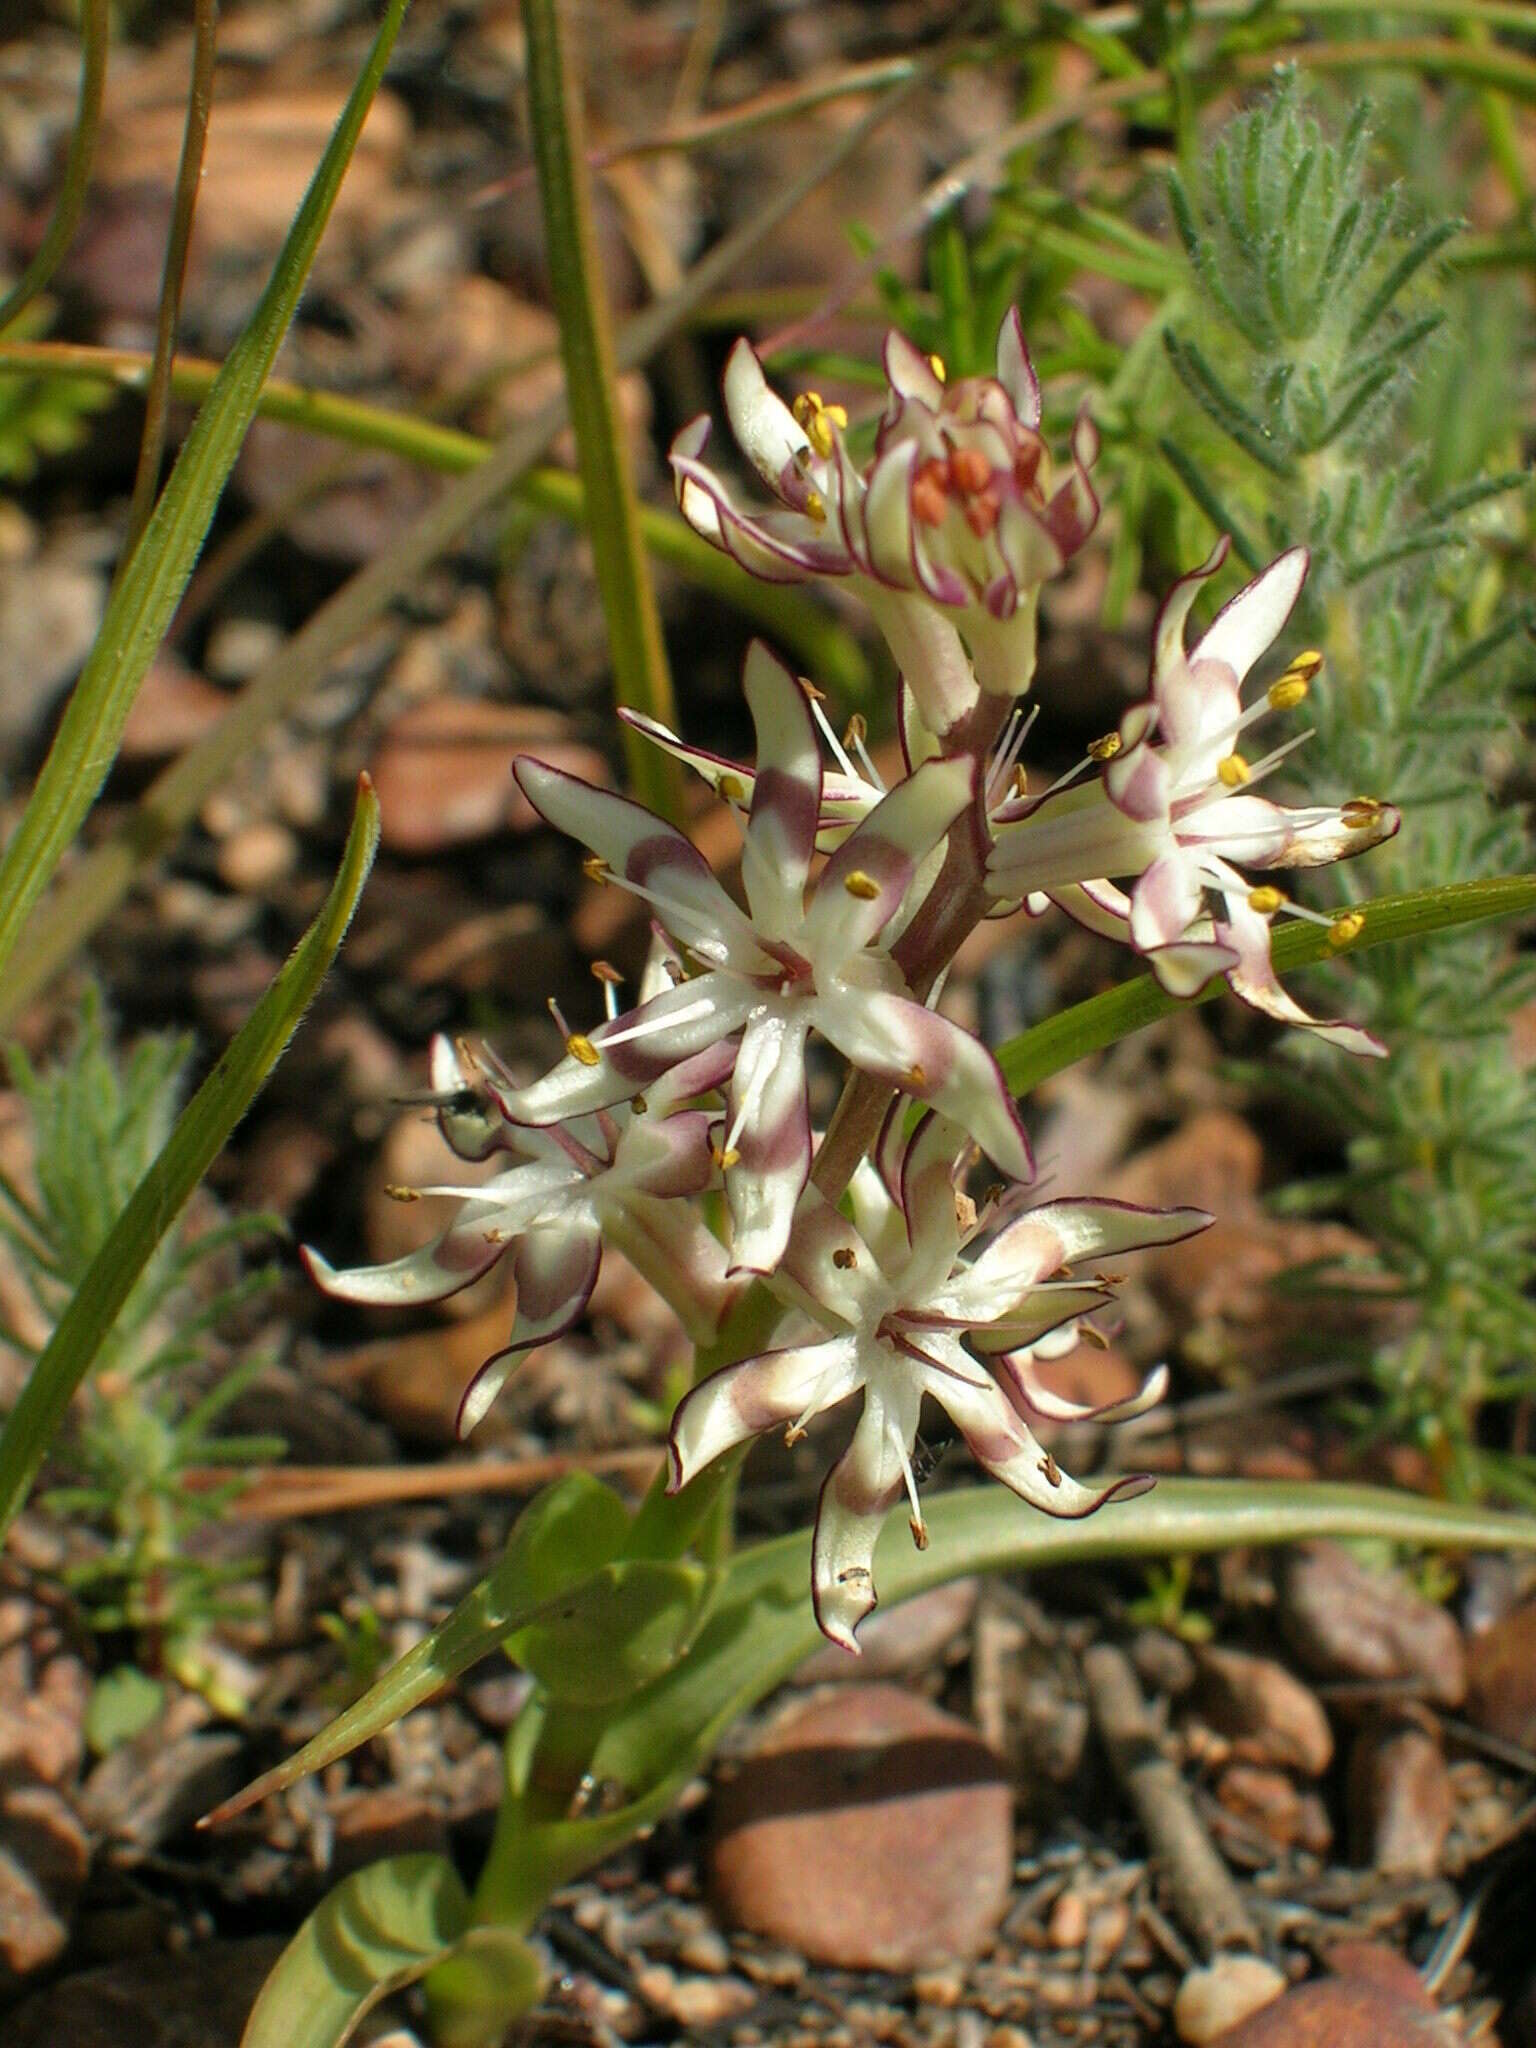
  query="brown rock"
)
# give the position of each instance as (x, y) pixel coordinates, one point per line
(174, 706)
(1268, 1716)
(387, 1821)
(1346, 1621)
(1339, 2012)
(869, 1830)
(1372, 1962)
(897, 1639)
(1501, 1678)
(443, 770)
(1220, 1282)
(33, 1931)
(43, 1694)
(1401, 1801)
(1267, 1800)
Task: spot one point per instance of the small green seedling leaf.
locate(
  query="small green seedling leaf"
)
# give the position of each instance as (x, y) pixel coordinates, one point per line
(378, 1931)
(122, 1704)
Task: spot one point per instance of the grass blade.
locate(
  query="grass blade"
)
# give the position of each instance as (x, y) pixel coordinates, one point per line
(142, 601)
(196, 1141)
(95, 31)
(640, 677)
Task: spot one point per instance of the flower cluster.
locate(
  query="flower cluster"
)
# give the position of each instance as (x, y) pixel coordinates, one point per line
(886, 1279)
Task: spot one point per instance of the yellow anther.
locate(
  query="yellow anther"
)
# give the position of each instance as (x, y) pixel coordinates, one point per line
(845, 1258)
(1346, 928)
(919, 1532)
(1021, 780)
(1303, 666)
(1287, 693)
(399, 1194)
(1233, 771)
(865, 887)
(916, 1077)
(936, 364)
(1266, 900)
(595, 868)
(725, 1157)
(581, 1048)
(793, 1435)
(1105, 749)
(816, 507)
(1049, 1470)
(1361, 812)
(638, 1105)
(856, 731)
(732, 788)
(818, 419)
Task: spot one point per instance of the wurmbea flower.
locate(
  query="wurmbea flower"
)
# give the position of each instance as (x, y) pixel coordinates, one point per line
(807, 958)
(949, 529)
(1173, 806)
(917, 1297)
(610, 1177)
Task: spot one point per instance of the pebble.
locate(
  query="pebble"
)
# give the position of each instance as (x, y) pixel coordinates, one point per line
(173, 708)
(256, 857)
(1068, 1924)
(1213, 2000)
(1346, 1621)
(1268, 1715)
(868, 1830)
(1401, 1801)
(1501, 1678)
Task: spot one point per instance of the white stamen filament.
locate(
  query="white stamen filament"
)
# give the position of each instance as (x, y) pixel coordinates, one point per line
(1006, 756)
(688, 1014)
(834, 744)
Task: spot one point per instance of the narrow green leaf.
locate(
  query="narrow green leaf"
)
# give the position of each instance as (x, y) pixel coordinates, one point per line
(378, 1931)
(762, 1627)
(640, 676)
(1087, 1027)
(145, 594)
(630, 1623)
(95, 30)
(560, 1542)
(195, 1142)
(103, 877)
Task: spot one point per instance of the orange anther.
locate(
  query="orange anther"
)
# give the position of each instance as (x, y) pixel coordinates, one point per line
(970, 470)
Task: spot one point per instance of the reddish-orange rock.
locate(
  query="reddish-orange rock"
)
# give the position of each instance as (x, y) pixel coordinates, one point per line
(869, 1830)
(1501, 1678)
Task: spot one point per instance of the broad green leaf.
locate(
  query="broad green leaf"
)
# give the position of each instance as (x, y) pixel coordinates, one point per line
(146, 592)
(1087, 1027)
(564, 1534)
(617, 1632)
(761, 1626)
(196, 1141)
(490, 1979)
(378, 1931)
